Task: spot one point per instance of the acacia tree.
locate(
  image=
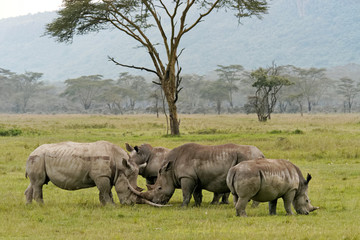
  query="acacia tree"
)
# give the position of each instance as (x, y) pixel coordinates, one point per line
(230, 75)
(27, 85)
(85, 89)
(348, 89)
(133, 18)
(268, 83)
(215, 91)
(135, 88)
(311, 83)
(7, 88)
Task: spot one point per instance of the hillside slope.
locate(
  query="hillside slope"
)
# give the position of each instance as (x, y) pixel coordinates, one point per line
(305, 33)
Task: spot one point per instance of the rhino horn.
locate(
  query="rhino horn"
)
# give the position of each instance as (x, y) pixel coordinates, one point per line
(150, 187)
(314, 208)
(152, 204)
(145, 195)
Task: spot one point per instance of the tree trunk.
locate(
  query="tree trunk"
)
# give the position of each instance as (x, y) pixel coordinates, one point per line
(174, 123)
(309, 106)
(218, 107)
(169, 87)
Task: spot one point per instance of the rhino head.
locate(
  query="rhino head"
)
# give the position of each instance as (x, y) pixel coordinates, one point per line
(127, 172)
(140, 155)
(301, 201)
(164, 187)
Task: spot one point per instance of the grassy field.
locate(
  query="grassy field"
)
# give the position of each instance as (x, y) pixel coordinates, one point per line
(327, 146)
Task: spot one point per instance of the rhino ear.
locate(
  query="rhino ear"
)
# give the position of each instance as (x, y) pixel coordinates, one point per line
(129, 147)
(168, 166)
(125, 163)
(136, 149)
(308, 178)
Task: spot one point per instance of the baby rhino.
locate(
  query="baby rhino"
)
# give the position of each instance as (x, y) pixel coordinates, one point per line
(266, 180)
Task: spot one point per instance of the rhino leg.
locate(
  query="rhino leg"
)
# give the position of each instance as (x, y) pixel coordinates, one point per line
(272, 207)
(288, 199)
(38, 193)
(216, 198)
(198, 196)
(187, 186)
(104, 186)
(29, 194)
(235, 198)
(240, 206)
(255, 204)
(225, 198)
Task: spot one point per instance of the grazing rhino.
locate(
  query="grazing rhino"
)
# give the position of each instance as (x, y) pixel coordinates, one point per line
(72, 166)
(193, 167)
(149, 160)
(266, 180)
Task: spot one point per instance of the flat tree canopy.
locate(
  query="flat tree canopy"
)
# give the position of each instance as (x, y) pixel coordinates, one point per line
(168, 17)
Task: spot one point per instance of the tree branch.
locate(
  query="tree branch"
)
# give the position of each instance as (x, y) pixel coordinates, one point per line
(132, 66)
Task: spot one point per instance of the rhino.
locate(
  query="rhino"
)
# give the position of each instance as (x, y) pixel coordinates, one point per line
(266, 180)
(193, 167)
(73, 166)
(149, 160)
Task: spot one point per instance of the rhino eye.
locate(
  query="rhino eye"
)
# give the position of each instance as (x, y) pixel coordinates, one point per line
(307, 200)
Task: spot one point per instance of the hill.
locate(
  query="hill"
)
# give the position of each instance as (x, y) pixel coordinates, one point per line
(304, 33)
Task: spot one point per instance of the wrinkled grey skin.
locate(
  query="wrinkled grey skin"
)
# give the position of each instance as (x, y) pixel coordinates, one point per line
(72, 166)
(266, 180)
(149, 160)
(193, 167)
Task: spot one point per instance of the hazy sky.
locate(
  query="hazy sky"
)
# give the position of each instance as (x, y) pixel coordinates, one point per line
(13, 8)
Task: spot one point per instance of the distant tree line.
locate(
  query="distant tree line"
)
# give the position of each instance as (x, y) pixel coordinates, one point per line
(232, 89)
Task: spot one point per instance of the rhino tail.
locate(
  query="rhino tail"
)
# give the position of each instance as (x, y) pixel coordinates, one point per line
(230, 180)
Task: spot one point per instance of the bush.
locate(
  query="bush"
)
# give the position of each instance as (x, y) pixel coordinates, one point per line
(10, 132)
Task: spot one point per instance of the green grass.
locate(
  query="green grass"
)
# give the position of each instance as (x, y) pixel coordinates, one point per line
(327, 146)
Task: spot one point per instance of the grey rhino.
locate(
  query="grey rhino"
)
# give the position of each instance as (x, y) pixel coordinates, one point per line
(72, 166)
(149, 160)
(266, 180)
(193, 167)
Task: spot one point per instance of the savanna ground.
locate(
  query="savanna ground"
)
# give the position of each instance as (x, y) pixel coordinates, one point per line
(327, 146)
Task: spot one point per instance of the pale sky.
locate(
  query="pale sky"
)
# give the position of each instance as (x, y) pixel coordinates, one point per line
(14, 8)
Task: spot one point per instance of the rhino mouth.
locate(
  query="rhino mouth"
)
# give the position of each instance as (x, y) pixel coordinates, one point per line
(141, 198)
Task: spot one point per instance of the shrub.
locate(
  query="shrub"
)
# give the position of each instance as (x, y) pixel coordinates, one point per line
(10, 132)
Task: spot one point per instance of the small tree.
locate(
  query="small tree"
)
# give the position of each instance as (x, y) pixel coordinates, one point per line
(85, 89)
(134, 88)
(230, 75)
(311, 83)
(348, 89)
(215, 91)
(7, 88)
(111, 95)
(27, 85)
(268, 83)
